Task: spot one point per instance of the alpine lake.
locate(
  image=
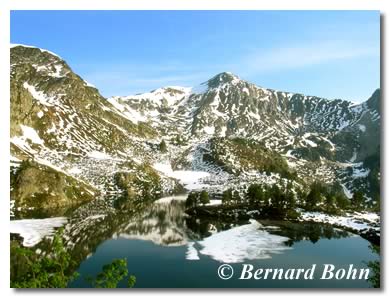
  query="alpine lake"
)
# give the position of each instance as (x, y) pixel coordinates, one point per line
(165, 248)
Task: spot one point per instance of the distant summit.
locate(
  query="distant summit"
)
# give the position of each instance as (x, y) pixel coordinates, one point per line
(222, 78)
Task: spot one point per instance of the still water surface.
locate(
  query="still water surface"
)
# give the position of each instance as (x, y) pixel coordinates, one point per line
(165, 249)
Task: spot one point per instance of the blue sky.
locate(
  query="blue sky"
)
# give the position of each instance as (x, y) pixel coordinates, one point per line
(332, 54)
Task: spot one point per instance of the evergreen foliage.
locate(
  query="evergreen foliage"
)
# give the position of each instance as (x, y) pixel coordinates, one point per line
(236, 197)
(112, 274)
(227, 196)
(204, 197)
(56, 269)
(42, 272)
(163, 147)
(314, 197)
(358, 200)
(192, 200)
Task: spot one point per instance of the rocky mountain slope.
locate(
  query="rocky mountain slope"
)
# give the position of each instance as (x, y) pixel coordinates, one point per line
(226, 132)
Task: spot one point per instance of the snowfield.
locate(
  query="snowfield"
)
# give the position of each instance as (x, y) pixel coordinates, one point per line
(167, 200)
(192, 180)
(30, 134)
(214, 202)
(358, 221)
(99, 155)
(40, 96)
(34, 230)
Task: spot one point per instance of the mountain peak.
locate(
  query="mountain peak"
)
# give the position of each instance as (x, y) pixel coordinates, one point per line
(374, 102)
(222, 78)
(33, 47)
(46, 63)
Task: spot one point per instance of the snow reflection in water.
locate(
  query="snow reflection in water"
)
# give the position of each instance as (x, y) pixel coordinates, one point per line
(246, 242)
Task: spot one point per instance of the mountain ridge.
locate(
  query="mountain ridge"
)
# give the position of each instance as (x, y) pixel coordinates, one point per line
(59, 120)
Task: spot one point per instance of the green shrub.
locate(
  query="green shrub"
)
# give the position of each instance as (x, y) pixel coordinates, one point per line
(112, 274)
(43, 272)
(56, 269)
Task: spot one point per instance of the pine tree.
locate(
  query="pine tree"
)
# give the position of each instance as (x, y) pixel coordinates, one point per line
(255, 194)
(227, 196)
(163, 147)
(192, 200)
(342, 201)
(290, 200)
(204, 197)
(314, 197)
(289, 196)
(236, 197)
(330, 201)
(358, 200)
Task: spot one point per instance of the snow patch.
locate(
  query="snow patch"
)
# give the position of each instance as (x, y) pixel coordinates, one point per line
(362, 127)
(333, 147)
(311, 143)
(353, 158)
(190, 179)
(167, 200)
(192, 253)
(360, 173)
(170, 94)
(209, 130)
(127, 112)
(347, 192)
(99, 155)
(223, 131)
(214, 202)
(38, 95)
(89, 84)
(75, 170)
(342, 124)
(352, 220)
(29, 133)
(245, 90)
(34, 230)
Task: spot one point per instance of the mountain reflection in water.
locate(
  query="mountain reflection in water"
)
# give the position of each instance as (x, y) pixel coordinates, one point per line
(161, 232)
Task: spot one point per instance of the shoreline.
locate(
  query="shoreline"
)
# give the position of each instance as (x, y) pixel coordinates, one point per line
(365, 224)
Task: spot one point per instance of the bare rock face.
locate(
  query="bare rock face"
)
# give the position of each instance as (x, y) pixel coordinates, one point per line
(41, 187)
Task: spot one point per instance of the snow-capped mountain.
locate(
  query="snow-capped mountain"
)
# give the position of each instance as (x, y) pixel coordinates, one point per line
(226, 106)
(229, 129)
